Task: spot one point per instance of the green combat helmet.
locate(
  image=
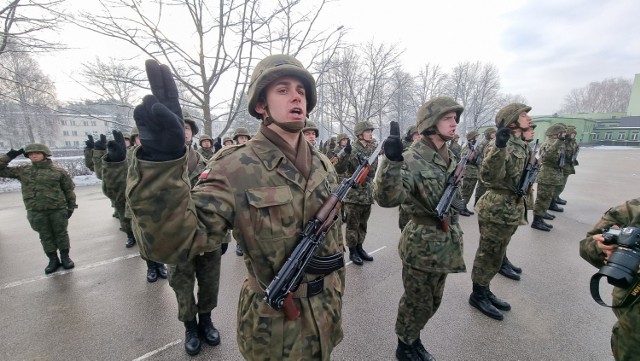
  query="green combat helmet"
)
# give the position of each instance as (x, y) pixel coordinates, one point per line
(227, 139)
(510, 114)
(489, 131)
(274, 67)
(411, 129)
(205, 137)
(434, 109)
(241, 131)
(134, 133)
(571, 129)
(360, 127)
(188, 119)
(311, 126)
(472, 135)
(341, 136)
(37, 147)
(555, 129)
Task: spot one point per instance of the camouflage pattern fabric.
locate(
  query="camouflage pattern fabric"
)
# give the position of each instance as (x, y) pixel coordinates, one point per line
(470, 176)
(544, 196)
(550, 171)
(114, 183)
(357, 219)
(88, 159)
(421, 298)
(206, 153)
(205, 269)
(625, 339)
(494, 239)
(96, 157)
(478, 159)
(362, 194)
(254, 189)
(456, 149)
(51, 226)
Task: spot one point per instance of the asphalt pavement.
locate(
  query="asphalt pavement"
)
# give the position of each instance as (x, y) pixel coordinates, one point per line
(104, 309)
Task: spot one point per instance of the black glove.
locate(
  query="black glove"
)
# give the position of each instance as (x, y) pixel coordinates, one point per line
(217, 145)
(70, 212)
(393, 144)
(408, 137)
(116, 148)
(502, 137)
(89, 142)
(14, 153)
(347, 148)
(159, 117)
(224, 247)
(102, 143)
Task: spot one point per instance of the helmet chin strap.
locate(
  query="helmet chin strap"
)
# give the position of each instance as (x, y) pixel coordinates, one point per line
(289, 127)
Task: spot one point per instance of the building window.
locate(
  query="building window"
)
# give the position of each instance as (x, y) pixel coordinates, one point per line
(67, 143)
(73, 122)
(74, 133)
(65, 133)
(621, 136)
(634, 136)
(86, 123)
(76, 143)
(607, 136)
(63, 122)
(93, 123)
(594, 136)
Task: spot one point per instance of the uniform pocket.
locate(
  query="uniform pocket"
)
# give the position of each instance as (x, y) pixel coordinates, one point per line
(272, 213)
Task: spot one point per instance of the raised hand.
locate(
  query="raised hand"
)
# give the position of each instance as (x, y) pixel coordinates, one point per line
(116, 148)
(393, 144)
(502, 137)
(14, 153)
(347, 148)
(102, 143)
(217, 145)
(89, 142)
(159, 117)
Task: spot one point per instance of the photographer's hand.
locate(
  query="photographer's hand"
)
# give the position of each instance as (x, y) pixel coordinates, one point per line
(607, 249)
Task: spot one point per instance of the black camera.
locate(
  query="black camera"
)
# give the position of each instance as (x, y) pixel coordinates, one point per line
(622, 266)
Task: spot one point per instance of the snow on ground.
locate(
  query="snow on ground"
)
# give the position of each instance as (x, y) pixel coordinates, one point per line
(81, 180)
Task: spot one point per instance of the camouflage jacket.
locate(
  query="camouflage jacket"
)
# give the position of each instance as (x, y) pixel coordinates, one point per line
(501, 171)
(550, 171)
(255, 190)
(96, 157)
(624, 215)
(471, 169)
(417, 185)
(206, 153)
(45, 186)
(362, 194)
(570, 148)
(341, 164)
(88, 158)
(456, 149)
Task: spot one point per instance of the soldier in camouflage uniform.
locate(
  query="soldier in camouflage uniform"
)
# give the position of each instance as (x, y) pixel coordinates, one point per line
(488, 135)
(455, 146)
(500, 210)
(359, 200)
(240, 136)
(266, 190)
(571, 152)
(470, 173)
(411, 135)
(550, 177)
(206, 147)
(625, 338)
(311, 132)
(227, 141)
(416, 179)
(47, 191)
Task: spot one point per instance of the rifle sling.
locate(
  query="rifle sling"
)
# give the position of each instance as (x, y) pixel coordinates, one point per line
(305, 290)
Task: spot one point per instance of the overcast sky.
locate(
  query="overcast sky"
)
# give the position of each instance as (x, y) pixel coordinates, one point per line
(542, 48)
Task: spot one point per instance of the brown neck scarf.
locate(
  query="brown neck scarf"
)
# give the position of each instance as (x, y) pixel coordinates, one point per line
(443, 151)
(300, 157)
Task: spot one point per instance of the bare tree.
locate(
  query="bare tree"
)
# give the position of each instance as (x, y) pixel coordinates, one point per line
(607, 96)
(213, 51)
(31, 96)
(431, 82)
(403, 104)
(26, 21)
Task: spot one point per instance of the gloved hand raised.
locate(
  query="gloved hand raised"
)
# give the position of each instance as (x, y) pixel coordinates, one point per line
(347, 148)
(14, 153)
(223, 248)
(502, 137)
(393, 144)
(102, 143)
(116, 148)
(89, 142)
(159, 117)
(217, 145)
(408, 137)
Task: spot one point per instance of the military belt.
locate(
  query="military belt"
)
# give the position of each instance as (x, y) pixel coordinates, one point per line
(433, 221)
(505, 192)
(305, 290)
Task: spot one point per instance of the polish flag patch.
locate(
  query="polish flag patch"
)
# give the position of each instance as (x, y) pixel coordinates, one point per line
(205, 174)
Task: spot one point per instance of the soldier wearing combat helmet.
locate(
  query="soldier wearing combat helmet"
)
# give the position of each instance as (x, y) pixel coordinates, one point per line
(415, 180)
(263, 190)
(311, 132)
(487, 136)
(571, 153)
(470, 172)
(241, 135)
(206, 147)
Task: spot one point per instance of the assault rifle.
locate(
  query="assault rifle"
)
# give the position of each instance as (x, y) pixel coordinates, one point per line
(337, 157)
(563, 157)
(453, 182)
(279, 293)
(529, 173)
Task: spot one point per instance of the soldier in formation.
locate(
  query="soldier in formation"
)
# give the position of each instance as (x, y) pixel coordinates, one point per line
(311, 132)
(571, 155)
(265, 190)
(206, 149)
(489, 134)
(500, 211)
(455, 146)
(470, 173)
(415, 179)
(411, 135)
(47, 191)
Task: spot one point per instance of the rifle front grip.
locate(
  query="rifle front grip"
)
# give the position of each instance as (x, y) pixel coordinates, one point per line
(290, 310)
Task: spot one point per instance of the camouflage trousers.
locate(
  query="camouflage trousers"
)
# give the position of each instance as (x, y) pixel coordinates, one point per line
(480, 190)
(468, 185)
(403, 219)
(625, 338)
(419, 302)
(206, 270)
(545, 194)
(494, 239)
(51, 226)
(560, 188)
(125, 223)
(357, 218)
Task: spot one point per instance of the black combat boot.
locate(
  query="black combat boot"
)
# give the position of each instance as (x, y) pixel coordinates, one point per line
(550, 226)
(239, 252)
(152, 272)
(466, 212)
(54, 263)
(560, 201)
(131, 240)
(67, 263)
(548, 216)
(354, 256)
(539, 224)
(208, 330)
(422, 352)
(480, 300)
(506, 271)
(191, 338)
(161, 269)
(515, 268)
(406, 352)
(500, 304)
(554, 207)
(363, 254)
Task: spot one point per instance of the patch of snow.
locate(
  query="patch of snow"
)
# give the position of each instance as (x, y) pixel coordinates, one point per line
(12, 185)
